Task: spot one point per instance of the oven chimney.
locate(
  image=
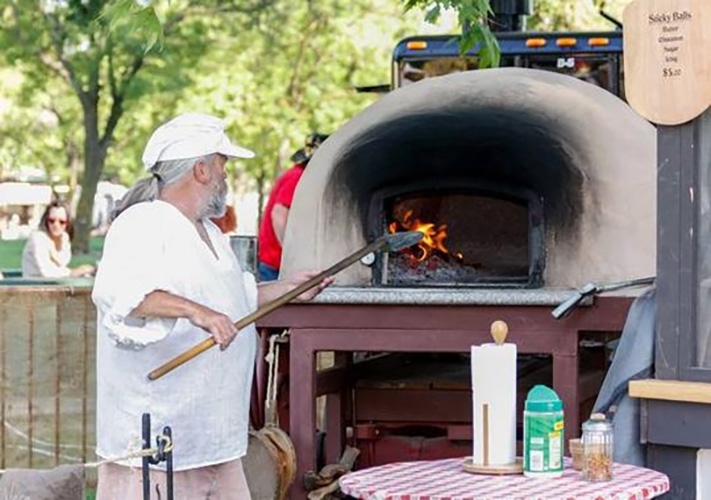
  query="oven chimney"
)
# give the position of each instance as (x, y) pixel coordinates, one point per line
(509, 15)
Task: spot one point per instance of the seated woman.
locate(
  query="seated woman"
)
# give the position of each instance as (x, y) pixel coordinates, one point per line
(48, 250)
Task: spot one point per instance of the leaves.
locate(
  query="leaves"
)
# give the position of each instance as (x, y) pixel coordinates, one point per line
(554, 15)
(116, 12)
(296, 74)
(122, 17)
(274, 69)
(472, 16)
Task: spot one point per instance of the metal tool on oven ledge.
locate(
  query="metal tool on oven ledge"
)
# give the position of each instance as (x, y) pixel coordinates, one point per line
(592, 289)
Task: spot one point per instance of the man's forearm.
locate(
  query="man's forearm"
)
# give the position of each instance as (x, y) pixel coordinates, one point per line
(266, 292)
(160, 304)
(166, 305)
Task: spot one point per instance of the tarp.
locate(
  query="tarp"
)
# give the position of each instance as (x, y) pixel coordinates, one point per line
(633, 359)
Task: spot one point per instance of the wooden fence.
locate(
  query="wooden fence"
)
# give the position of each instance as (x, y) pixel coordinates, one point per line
(47, 375)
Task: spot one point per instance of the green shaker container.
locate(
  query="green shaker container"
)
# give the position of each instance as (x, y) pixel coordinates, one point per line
(543, 433)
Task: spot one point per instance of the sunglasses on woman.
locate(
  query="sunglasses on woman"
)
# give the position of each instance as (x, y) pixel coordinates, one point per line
(62, 222)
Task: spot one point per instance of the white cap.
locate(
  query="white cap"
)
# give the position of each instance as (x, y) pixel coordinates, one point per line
(190, 135)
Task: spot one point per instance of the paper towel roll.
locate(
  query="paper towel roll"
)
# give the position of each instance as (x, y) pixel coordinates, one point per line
(494, 384)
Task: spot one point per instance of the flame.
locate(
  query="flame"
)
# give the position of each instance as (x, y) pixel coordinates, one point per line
(433, 240)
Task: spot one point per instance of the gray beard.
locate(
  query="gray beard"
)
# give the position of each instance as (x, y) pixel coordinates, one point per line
(217, 204)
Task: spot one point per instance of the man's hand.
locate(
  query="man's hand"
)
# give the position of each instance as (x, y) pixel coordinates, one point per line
(220, 326)
(302, 277)
(83, 270)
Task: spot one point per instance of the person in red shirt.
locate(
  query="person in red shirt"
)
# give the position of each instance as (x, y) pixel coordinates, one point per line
(276, 213)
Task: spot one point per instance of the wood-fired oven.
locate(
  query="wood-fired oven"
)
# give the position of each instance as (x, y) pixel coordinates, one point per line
(538, 180)
(526, 184)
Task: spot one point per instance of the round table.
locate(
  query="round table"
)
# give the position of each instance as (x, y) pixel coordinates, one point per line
(445, 480)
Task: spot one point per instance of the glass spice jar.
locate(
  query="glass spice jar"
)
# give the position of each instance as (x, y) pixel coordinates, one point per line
(597, 449)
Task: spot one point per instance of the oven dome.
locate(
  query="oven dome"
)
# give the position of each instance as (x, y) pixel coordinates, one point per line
(581, 150)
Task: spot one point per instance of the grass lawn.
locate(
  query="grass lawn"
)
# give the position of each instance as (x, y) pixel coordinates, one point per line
(11, 253)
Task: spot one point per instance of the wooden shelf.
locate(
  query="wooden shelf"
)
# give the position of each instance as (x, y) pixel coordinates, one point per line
(671, 390)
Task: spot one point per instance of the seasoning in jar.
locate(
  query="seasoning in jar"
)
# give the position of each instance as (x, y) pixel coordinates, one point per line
(597, 448)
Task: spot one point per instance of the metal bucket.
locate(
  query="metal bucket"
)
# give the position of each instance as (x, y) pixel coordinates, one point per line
(245, 248)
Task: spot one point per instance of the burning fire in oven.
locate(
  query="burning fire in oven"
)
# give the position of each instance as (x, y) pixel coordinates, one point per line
(433, 242)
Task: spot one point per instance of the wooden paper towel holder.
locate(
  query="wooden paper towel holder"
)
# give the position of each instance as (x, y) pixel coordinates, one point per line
(499, 331)
(493, 470)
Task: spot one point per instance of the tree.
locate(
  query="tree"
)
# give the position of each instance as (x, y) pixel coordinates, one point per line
(39, 129)
(297, 74)
(275, 69)
(100, 50)
(554, 15)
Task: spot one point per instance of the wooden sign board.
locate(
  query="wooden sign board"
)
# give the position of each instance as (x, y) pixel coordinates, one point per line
(667, 53)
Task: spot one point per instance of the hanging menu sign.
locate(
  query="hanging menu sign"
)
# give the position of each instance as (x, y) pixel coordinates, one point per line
(667, 54)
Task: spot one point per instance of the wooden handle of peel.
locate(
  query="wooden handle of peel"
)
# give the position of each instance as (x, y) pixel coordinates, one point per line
(267, 308)
(485, 418)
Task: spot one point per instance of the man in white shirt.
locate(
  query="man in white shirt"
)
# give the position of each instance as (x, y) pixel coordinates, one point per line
(168, 279)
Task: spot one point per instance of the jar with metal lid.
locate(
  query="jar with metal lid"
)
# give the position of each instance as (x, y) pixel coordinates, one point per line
(597, 448)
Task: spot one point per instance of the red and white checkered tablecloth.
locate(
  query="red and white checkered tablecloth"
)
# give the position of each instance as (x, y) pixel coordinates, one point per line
(445, 480)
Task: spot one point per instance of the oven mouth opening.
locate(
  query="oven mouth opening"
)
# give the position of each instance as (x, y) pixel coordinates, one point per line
(473, 237)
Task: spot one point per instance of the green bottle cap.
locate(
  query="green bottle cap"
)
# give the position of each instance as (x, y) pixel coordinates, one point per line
(543, 399)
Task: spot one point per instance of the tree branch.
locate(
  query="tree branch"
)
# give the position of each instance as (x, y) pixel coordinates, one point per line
(171, 24)
(59, 116)
(110, 56)
(118, 95)
(16, 16)
(291, 92)
(62, 66)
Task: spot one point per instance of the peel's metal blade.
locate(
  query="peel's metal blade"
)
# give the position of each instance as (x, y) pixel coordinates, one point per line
(398, 241)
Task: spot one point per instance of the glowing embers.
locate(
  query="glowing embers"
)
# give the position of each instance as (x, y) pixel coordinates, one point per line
(470, 239)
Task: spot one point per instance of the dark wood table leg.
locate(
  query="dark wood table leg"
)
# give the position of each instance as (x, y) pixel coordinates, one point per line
(260, 380)
(302, 407)
(335, 410)
(565, 383)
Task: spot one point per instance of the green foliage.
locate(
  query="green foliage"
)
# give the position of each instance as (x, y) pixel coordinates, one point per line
(472, 15)
(274, 69)
(126, 18)
(11, 254)
(555, 15)
(296, 74)
(108, 55)
(276, 77)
